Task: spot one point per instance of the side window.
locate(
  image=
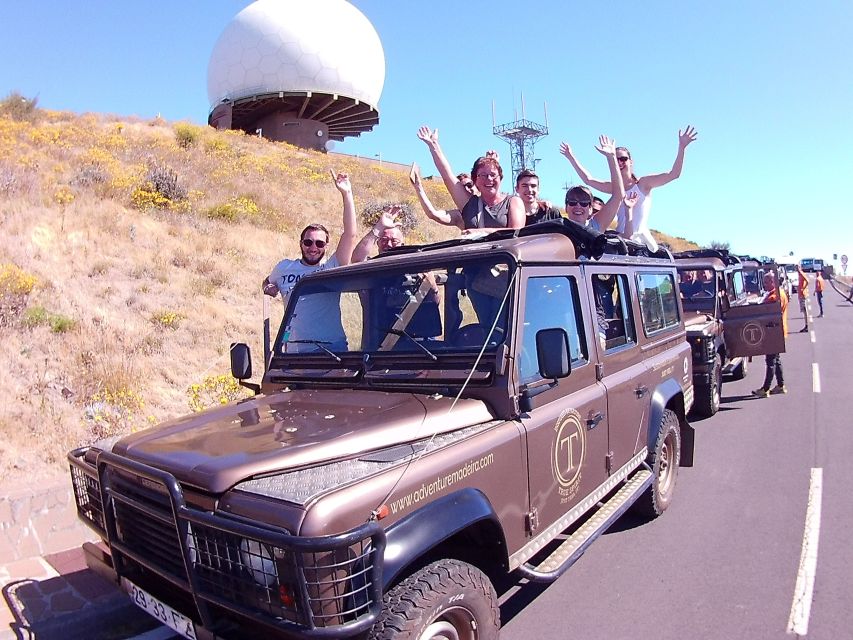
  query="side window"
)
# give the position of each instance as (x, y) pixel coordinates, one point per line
(737, 283)
(550, 302)
(613, 310)
(658, 304)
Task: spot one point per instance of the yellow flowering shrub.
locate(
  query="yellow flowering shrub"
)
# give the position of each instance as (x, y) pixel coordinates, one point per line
(15, 281)
(114, 411)
(168, 319)
(215, 390)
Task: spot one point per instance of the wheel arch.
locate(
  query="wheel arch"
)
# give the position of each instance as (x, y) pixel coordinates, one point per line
(669, 395)
(446, 524)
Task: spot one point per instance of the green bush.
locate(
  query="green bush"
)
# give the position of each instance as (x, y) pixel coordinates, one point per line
(187, 134)
(39, 316)
(18, 107)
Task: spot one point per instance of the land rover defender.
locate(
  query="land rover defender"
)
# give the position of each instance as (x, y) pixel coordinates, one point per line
(470, 408)
(726, 323)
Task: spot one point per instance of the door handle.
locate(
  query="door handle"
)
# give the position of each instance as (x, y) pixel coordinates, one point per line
(641, 391)
(594, 419)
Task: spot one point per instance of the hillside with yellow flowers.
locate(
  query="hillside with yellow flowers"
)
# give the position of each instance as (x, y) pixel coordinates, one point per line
(131, 254)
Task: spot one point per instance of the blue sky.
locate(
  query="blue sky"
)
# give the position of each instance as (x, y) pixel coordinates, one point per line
(768, 85)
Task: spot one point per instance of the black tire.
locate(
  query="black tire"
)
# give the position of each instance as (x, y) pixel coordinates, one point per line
(740, 371)
(707, 397)
(664, 461)
(446, 599)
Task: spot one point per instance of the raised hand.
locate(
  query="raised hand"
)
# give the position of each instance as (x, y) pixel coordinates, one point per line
(341, 181)
(606, 146)
(566, 150)
(430, 136)
(630, 199)
(415, 176)
(390, 217)
(687, 136)
(492, 154)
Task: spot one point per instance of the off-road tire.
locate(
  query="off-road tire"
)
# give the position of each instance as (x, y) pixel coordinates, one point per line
(446, 599)
(740, 371)
(664, 461)
(707, 397)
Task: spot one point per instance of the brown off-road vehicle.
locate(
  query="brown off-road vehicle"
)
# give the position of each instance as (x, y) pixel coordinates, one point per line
(427, 422)
(726, 321)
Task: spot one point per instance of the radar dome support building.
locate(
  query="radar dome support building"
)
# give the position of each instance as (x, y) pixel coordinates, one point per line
(300, 72)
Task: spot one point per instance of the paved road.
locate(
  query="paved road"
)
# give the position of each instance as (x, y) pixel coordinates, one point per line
(723, 561)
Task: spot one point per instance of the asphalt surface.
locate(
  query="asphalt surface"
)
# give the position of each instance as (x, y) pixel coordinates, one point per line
(722, 562)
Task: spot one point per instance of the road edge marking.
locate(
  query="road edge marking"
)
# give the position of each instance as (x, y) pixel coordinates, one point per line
(798, 621)
(815, 377)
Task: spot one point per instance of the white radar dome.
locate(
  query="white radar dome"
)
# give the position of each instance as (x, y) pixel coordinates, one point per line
(323, 46)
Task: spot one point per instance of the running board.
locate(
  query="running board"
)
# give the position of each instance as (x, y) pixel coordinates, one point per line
(574, 546)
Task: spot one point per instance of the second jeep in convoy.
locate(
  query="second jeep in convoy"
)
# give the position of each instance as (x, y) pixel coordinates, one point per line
(427, 422)
(725, 323)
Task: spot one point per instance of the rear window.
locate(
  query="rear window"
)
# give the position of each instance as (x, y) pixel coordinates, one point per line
(658, 302)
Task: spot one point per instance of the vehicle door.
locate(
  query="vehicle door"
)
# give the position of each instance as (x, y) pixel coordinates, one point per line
(754, 329)
(623, 370)
(565, 420)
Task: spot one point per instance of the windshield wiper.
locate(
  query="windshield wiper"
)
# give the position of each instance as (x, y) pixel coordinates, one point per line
(400, 332)
(317, 343)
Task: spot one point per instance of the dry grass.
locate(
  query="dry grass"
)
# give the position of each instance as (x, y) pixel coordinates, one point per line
(123, 298)
(116, 307)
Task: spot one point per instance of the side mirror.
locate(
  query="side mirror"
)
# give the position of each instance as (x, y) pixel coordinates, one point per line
(241, 361)
(552, 352)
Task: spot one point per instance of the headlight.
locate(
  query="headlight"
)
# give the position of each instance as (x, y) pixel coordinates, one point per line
(257, 559)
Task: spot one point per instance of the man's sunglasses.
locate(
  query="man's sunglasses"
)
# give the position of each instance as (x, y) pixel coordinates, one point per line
(308, 242)
(574, 203)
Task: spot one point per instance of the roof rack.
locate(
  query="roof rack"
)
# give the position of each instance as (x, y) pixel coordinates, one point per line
(588, 243)
(722, 254)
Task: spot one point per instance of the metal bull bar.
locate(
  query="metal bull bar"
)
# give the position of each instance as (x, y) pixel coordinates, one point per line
(214, 553)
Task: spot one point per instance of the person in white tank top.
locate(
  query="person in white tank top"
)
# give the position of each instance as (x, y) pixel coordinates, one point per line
(634, 185)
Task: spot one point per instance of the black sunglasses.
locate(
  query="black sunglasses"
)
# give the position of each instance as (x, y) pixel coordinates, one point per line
(308, 242)
(574, 203)
(622, 158)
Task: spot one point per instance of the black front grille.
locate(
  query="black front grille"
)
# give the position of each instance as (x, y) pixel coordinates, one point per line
(149, 533)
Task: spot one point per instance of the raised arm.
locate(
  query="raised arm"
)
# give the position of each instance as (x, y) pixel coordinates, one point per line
(659, 179)
(451, 218)
(347, 242)
(457, 191)
(583, 174)
(604, 217)
(388, 220)
(630, 199)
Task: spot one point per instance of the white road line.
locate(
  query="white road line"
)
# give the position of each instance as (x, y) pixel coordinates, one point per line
(815, 378)
(798, 622)
(811, 334)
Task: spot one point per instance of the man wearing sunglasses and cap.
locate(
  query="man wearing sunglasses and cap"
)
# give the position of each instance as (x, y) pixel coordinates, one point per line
(313, 243)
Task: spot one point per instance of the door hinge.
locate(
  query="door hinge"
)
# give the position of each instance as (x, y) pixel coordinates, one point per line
(599, 371)
(608, 461)
(532, 520)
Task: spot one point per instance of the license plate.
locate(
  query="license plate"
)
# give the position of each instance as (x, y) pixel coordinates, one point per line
(164, 613)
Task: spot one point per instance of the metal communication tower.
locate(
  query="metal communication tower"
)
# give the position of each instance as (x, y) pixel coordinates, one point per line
(522, 136)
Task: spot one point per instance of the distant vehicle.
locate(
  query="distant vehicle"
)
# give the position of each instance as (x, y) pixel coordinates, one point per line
(791, 276)
(817, 265)
(808, 264)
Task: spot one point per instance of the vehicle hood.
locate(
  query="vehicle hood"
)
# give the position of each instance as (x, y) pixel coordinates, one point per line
(696, 321)
(216, 449)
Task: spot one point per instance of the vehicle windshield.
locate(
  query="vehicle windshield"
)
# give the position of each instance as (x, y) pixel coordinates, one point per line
(753, 280)
(445, 309)
(698, 289)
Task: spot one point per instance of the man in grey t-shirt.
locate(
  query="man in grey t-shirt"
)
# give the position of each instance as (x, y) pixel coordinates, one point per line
(323, 319)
